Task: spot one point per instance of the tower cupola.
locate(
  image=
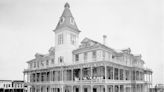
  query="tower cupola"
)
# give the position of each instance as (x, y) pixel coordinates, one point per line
(67, 20)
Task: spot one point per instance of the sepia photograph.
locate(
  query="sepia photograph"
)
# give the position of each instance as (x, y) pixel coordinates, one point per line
(81, 46)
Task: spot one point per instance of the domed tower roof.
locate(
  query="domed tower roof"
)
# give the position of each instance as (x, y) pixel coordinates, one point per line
(67, 20)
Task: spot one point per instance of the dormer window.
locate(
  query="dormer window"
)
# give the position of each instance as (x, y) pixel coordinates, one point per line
(72, 21)
(62, 20)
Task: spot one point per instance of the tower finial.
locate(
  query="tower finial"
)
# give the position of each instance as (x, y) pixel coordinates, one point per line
(67, 5)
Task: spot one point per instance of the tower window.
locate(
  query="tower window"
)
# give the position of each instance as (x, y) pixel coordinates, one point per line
(61, 20)
(73, 39)
(60, 39)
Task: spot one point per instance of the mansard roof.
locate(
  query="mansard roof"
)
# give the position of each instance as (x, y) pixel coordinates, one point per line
(89, 44)
(67, 20)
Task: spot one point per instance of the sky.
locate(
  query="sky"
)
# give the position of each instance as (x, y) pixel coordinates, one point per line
(26, 28)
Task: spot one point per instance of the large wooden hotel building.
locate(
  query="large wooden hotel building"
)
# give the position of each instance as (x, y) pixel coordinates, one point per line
(88, 67)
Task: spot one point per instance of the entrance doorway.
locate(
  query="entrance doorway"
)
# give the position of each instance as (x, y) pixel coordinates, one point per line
(77, 90)
(94, 89)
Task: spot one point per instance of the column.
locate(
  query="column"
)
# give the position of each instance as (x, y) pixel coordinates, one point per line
(72, 89)
(24, 77)
(91, 88)
(124, 74)
(62, 89)
(134, 75)
(72, 75)
(81, 74)
(145, 77)
(64, 75)
(106, 90)
(105, 72)
(35, 88)
(113, 73)
(119, 88)
(91, 72)
(119, 74)
(51, 73)
(40, 77)
(81, 88)
(35, 77)
(124, 88)
(151, 77)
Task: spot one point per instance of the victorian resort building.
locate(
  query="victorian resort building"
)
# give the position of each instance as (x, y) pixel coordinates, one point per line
(88, 67)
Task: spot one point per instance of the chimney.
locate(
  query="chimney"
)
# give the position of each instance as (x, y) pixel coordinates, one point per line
(104, 39)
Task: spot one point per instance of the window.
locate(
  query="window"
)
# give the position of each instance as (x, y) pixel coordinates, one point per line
(42, 63)
(113, 57)
(60, 59)
(34, 64)
(62, 20)
(103, 54)
(85, 90)
(38, 64)
(85, 55)
(30, 65)
(127, 75)
(121, 74)
(47, 62)
(77, 57)
(60, 39)
(73, 39)
(94, 54)
(115, 73)
(52, 61)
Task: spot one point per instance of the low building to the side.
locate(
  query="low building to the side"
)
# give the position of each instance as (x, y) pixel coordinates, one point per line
(5, 85)
(157, 88)
(12, 86)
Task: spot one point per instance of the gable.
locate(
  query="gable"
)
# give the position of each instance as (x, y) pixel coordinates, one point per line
(86, 42)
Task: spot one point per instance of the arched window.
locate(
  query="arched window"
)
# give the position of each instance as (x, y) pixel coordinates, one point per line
(62, 20)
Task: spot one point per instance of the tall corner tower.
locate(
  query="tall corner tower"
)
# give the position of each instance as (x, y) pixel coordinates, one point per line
(66, 37)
